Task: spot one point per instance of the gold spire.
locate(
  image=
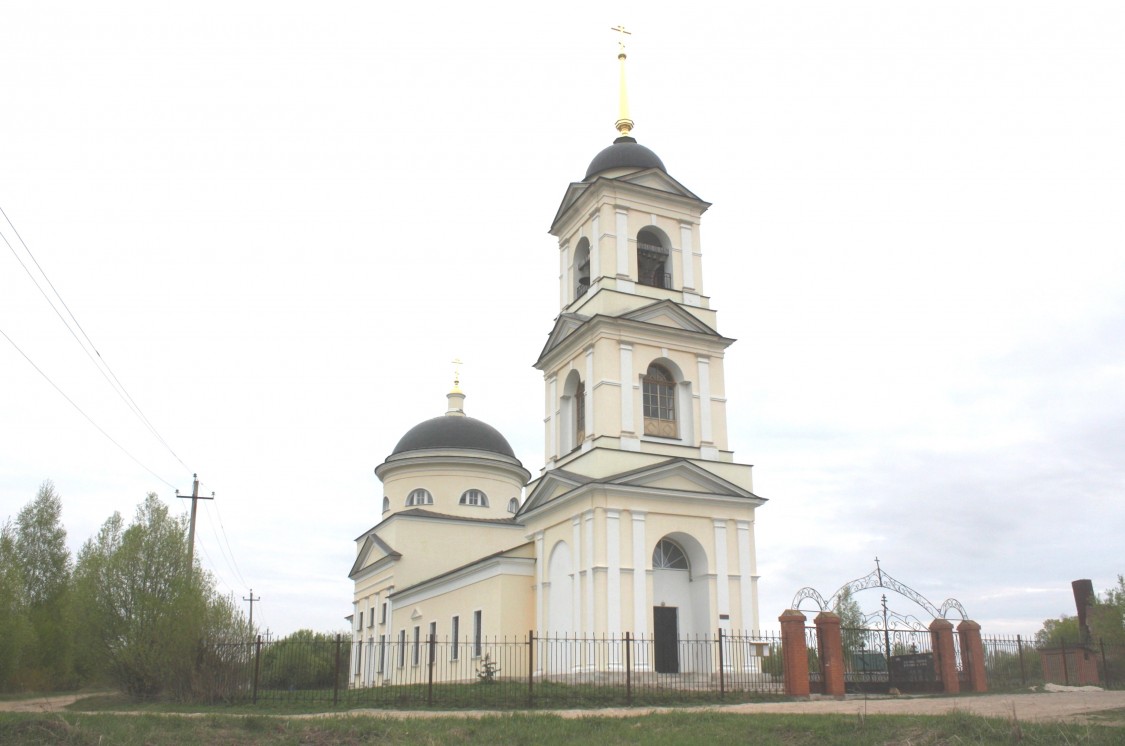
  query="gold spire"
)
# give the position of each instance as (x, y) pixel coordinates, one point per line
(623, 124)
(456, 397)
(456, 376)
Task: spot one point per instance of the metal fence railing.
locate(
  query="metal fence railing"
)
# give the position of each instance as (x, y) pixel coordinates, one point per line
(536, 670)
(562, 670)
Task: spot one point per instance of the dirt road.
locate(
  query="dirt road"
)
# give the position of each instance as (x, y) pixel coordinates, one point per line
(1073, 706)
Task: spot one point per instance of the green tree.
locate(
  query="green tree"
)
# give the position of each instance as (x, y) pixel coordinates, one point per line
(302, 660)
(852, 621)
(152, 623)
(39, 543)
(1055, 632)
(15, 626)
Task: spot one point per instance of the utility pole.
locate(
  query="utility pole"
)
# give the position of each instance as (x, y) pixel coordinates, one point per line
(195, 498)
(252, 600)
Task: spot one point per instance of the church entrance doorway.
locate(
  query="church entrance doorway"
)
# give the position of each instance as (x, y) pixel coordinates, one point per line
(665, 639)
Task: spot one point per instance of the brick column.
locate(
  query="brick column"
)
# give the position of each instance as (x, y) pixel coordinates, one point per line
(945, 657)
(972, 655)
(831, 649)
(794, 653)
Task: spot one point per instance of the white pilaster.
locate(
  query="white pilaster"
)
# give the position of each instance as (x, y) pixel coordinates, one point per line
(745, 571)
(576, 586)
(552, 419)
(595, 249)
(588, 553)
(622, 229)
(627, 421)
(589, 383)
(640, 588)
(540, 577)
(687, 253)
(564, 275)
(704, 363)
(722, 579)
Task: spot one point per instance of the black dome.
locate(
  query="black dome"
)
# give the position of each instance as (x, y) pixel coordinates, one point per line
(624, 153)
(454, 432)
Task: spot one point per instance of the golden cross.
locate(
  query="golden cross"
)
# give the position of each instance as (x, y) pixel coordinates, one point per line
(621, 39)
(456, 372)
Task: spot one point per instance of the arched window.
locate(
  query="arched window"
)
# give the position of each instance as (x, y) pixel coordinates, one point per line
(581, 268)
(513, 505)
(419, 497)
(653, 262)
(669, 556)
(474, 497)
(386, 504)
(660, 402)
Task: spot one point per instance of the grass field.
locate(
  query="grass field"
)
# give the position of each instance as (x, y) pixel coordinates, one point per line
(158, 729)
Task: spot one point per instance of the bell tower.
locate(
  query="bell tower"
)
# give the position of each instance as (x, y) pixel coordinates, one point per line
(634, 363)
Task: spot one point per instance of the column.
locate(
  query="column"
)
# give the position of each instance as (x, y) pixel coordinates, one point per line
(722, 577)
(945, 659)
(640, 585)
(830, 646)
(629, 441)
(540, 595)
(794, 651)
(613, 584)
(552, 399)
(705, 437)
(595, 250)
(589, 383)
(972, 655)
(745, 589)
(687, 253)
(622, 230)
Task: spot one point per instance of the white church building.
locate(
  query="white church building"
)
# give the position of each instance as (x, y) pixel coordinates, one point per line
(640, 522)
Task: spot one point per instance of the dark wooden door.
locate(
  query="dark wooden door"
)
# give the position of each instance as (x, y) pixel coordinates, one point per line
(665, 638)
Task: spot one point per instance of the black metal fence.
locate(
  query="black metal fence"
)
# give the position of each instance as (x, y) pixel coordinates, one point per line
(503, 673)
(1017, 662)
(573, 671)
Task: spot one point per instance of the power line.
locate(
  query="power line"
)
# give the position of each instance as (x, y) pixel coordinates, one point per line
(230, 550)
(228, 555)
(100, 363)
(88, 418)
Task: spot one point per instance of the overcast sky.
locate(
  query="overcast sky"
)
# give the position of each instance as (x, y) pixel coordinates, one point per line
(278, 223)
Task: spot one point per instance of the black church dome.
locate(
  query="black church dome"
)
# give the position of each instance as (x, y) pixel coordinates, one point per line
(454, 432)
(625, 152)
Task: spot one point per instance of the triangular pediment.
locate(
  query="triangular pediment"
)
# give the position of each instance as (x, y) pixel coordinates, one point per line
(553, 485)
(573, 192)
(680, 475)
(654, 178)
(374, 550)
(564, 326)
(649, 178)
(668, 313)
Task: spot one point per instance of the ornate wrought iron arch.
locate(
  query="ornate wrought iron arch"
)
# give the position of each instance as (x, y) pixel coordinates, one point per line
(878, 578)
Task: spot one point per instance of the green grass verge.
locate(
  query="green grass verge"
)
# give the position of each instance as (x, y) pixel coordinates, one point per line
(84, 729)
(501, 696)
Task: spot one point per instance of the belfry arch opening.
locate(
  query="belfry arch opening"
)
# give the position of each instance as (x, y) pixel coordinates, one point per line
(581, 268)
(573, 406)
(654, 258)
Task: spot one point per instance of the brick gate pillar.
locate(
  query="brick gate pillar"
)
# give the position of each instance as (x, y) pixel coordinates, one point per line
(830, 646)
(972, 655)
(794, 653)
(945, 656)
